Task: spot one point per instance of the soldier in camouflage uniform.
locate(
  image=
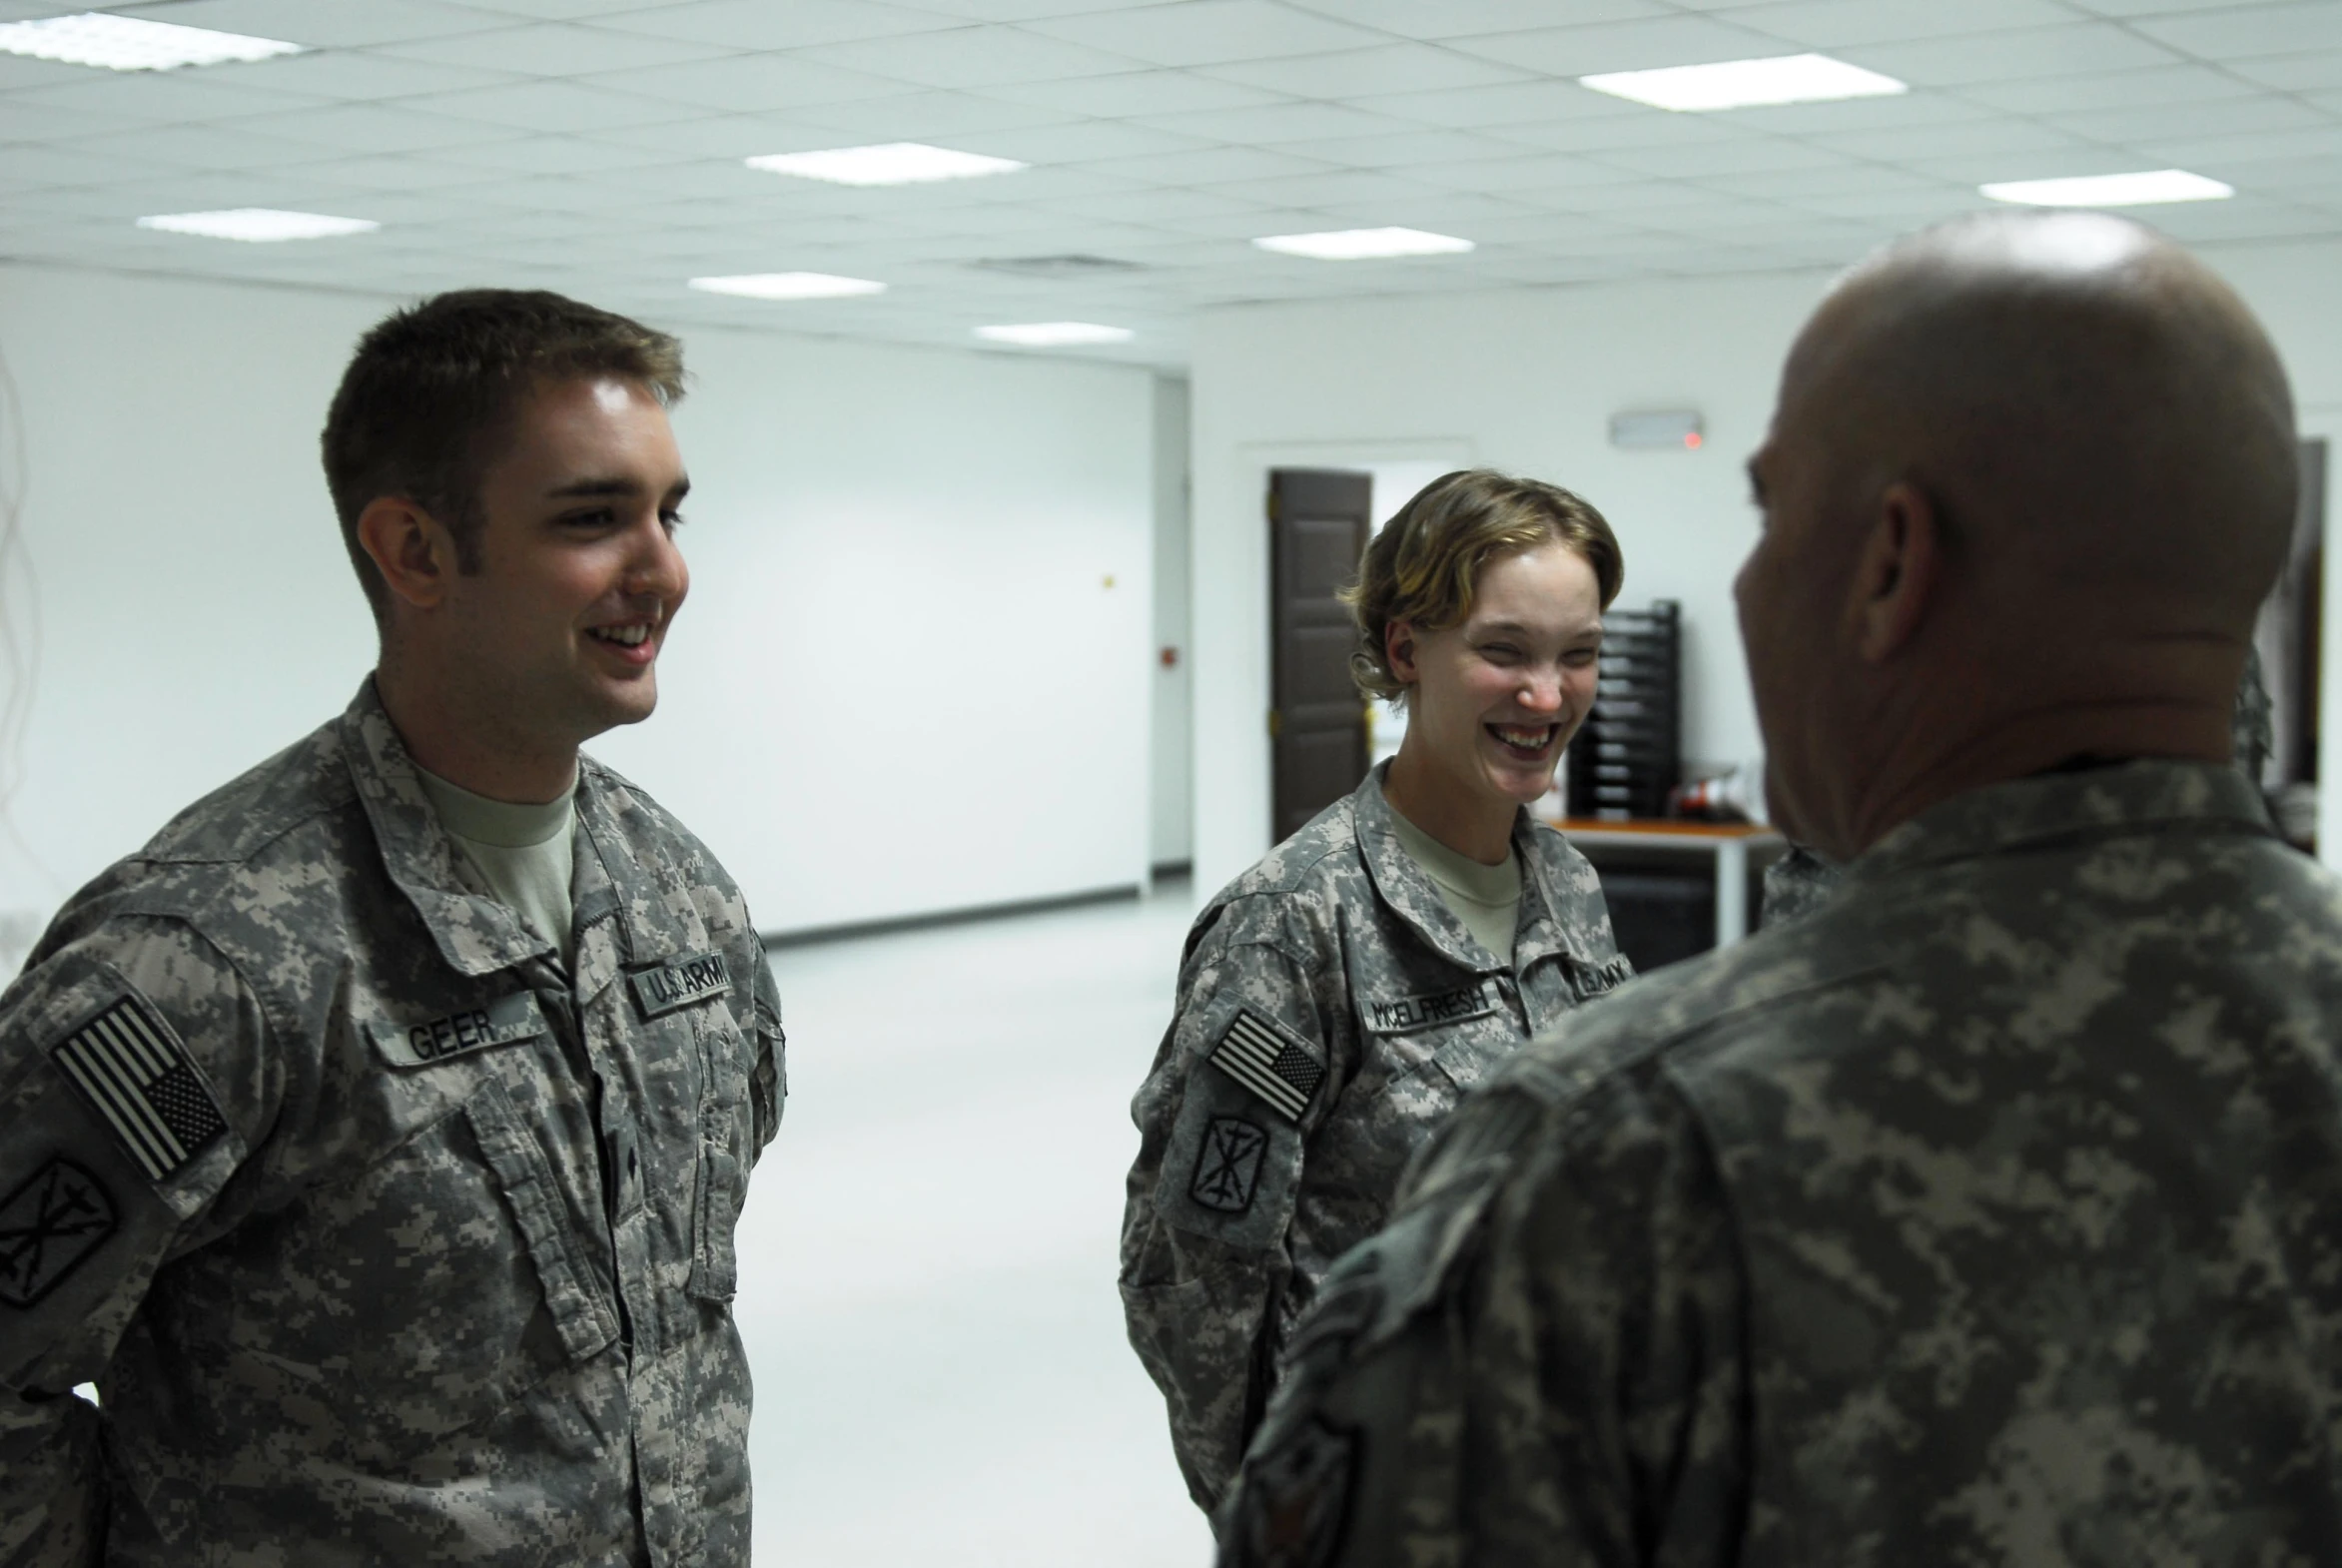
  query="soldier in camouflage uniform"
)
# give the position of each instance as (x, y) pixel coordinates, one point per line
(392, 1227)
(1985, 1213)
(1801, 881)
(1333, 1003)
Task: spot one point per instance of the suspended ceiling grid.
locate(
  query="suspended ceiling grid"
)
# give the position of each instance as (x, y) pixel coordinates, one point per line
(596, 145)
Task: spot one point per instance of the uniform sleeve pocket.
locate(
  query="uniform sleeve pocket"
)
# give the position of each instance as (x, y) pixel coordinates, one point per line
(583, 1319)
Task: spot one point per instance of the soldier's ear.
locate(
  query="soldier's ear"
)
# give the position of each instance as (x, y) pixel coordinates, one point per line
(413, 550)
(1398, 650)
(1900, 567)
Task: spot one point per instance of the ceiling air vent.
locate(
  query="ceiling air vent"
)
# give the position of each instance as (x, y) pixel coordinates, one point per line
(1057, 266)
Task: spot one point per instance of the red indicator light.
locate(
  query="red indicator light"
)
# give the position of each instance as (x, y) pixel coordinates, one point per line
(1690, 439)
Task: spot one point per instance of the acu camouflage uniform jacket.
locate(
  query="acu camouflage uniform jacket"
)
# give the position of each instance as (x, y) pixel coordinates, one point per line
(1986, 1215)
(386, 1237)
(1332, 1010)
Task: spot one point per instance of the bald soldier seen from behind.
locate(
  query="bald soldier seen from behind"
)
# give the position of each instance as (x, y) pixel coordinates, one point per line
(1986, 1214)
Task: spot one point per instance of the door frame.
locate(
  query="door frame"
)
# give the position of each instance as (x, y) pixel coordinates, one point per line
(2323, 422)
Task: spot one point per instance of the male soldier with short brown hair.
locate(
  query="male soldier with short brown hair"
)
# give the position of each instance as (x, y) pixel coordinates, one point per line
(1985, 1213)
(374, 1137)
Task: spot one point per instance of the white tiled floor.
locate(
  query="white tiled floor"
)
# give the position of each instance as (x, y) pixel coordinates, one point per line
(927, 1284)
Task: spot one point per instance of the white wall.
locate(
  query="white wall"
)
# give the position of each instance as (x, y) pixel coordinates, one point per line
(901, 685)
(1525, 380)
(1172, 837)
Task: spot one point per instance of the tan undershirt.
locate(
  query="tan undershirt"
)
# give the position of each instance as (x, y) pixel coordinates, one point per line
(1487, 899)
(522, 851)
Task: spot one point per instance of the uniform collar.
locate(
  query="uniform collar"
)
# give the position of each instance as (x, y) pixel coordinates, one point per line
(2051, 808)
(656, 921)
(1403, 885)
(475, 934)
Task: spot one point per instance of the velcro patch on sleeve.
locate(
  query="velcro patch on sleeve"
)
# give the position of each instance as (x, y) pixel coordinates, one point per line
(679, 982)
(48, 1228)
(134, 1073)
(1270, 1061)
(503, 1022)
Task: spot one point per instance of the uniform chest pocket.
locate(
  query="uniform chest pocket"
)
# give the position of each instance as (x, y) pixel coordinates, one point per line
(1438, 1044)
(428, 1294)
(727, 1134)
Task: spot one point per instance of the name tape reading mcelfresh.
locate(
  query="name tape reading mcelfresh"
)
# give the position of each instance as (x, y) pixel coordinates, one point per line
(502, 1022)
(1429, 1011)
(679, 982)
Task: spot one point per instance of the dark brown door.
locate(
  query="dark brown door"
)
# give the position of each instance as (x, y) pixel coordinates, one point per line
(1318, 524)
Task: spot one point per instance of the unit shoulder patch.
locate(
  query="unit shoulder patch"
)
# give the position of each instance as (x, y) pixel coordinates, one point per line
(679, 982)
(1270, 1061)
(1297, 1500)
(48, 1228)
(1227, 1166)
(133, 1072)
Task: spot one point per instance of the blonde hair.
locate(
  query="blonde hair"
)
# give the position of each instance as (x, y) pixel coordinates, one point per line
(1425, 564)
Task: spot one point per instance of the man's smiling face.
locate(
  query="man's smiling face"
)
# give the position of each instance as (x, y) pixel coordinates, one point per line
(579, 573)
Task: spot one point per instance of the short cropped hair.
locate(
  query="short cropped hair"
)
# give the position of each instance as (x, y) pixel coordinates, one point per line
(433, 391)
(1425, 564)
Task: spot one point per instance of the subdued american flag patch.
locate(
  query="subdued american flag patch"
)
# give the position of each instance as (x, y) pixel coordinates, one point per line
(1269, 1062)
(138, 1080)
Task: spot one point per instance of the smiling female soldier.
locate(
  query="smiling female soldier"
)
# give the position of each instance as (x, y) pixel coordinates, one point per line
(1336, 999)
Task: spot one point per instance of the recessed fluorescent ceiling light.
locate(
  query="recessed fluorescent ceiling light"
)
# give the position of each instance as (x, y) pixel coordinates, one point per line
(789, 286)
(894, 163)
(1056, 335)
(1745, 84)
(129, 43)
(1358, 244)
(2111, 190)
(259, 225)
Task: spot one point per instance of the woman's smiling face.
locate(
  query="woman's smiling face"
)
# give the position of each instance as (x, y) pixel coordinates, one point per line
(1491, 702)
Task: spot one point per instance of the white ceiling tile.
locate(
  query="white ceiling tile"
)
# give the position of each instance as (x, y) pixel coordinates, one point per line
(971, 57)
(1861, 114)
(733, 136)
(1715, 213)
(1537, 172)
(1623, 198)
(200, 146)
(1624, 46)
(24, 71)
(1848, 178)
(550, 106)
(2166, 122)
(400, 173)
(572, 10)
(1521, 103)
(1441, 212)
(773, 84)
(577, 155)
(368, 129)
(2204, 222)
(1274, 123)
(1919, 141)
(1833, 24)
(762, 24)
(1904, 207)
(32, 122)
(1210, 166)
(1713, 161)
(1395, 68)
(922, 117)
(2136, 8)
(1208, 32)
(2291, 73)
(2176, 84)
(2244, 32)
(1407, 149)
(69, 166)
(2212, 153)
(1134, 93)
(353, 74)
(1437, 19)
(1652, 128)
(347, 23)
(2038, 162)
(1329, 187)
(1079, 141)
(1024, 10)
(154, 96)
(2039, 51)
(551, 49)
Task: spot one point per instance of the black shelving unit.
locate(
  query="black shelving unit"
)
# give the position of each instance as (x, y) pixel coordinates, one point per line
(1629, 755)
